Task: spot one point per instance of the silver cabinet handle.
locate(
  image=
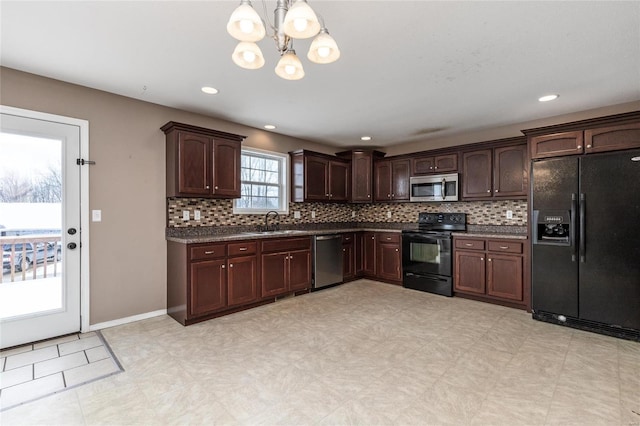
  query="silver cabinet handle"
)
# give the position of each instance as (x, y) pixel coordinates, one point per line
(468, 244)
(482, 258)
(488, 190)
(223, 266)
(588, 146)
(231, 265)
(396, 249)
(242, 249)
(495, 190)
(579, 147)
(504, 247)
(207, 186)
(489, 260)
(436, 167)
(209, 252)
(368, 195)
(215, 187)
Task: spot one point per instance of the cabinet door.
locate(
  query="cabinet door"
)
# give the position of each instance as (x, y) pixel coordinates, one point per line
(275, 271)
(194, 167)
(242, 280)
(382, 180)
(226, 168)
(446, 163)
(422, 165)
(612, 138)
(208, 285)
(361, 179)
(369, 255)
(510, 171)
(359, 254)
(400, 172)
(348, 263)
(476, 179)
(504, 276)
(557, 144)
(316, 175)
(299, 269)
(469, 272)
(388, 261)
(339, 181)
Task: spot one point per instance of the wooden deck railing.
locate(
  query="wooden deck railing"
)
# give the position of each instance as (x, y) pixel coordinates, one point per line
(45, 251)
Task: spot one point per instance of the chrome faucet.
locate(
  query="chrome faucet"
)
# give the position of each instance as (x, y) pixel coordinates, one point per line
(275, 227)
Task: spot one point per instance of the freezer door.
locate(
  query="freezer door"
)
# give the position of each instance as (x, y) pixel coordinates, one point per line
(554, 271)
(610, 274)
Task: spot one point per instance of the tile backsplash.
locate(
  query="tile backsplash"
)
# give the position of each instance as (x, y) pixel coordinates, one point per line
(220, 212)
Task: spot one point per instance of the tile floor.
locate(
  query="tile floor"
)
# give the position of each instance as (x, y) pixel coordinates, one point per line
(363, 353)
(37, 370)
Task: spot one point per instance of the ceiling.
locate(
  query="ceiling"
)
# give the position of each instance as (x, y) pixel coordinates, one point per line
(409, 70)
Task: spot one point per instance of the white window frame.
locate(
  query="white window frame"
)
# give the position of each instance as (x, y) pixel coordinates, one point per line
(284, 183)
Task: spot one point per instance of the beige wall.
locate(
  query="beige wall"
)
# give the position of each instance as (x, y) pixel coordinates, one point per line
(127, 248)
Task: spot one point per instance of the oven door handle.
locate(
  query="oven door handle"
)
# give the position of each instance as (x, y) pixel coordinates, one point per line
(423, 237)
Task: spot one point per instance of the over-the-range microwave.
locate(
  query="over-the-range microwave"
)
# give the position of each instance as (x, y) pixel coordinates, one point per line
(434, 188)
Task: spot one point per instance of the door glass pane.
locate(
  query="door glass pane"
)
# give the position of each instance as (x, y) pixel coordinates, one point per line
(30, 225)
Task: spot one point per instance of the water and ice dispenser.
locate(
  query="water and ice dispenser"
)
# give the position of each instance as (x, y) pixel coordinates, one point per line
(552, 227)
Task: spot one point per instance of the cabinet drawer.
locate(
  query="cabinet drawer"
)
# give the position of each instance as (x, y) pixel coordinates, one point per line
(470, 244)
(209, 251)
(389, 237)
(286, 244)
(348, 238)
(505, 246)
(249, 247)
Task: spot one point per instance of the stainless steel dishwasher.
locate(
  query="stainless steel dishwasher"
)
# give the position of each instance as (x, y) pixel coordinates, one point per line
(327, 260)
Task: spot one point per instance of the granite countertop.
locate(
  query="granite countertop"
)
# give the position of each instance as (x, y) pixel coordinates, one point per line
(250, 235)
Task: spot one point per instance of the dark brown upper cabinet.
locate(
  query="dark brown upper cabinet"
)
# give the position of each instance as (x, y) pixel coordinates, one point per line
(361, 173)
(611, 133)
(424, 165)
(202, 162)
(391, 180)
(496, 172)
(319, 177)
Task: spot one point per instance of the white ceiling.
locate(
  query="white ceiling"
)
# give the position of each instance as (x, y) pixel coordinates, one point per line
(409, 71)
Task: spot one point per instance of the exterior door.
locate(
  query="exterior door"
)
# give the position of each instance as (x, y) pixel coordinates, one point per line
(40, 227)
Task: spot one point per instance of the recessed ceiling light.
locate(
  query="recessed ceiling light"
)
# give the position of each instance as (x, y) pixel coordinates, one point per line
(548, 98)
(269, 126)
(365, 138)
(209, 90)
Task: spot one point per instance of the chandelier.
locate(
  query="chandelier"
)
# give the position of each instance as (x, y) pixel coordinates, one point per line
(294, 19)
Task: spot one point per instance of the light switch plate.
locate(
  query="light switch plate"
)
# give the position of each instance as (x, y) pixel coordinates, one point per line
(196, 214)
(389, 215)
(296, 215)
(96, 215)
(313, 214)
(185, 214)
(509, 214)
(353, 213)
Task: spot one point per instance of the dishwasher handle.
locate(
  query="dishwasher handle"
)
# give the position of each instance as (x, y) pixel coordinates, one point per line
(327, 237)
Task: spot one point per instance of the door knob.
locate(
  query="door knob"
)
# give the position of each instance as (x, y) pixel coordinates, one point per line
(72, 246)
(71, 231)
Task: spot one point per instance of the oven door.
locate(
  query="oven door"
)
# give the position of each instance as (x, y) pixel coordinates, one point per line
(425, 254)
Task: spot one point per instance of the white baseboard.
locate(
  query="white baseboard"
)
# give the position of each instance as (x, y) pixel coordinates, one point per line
(121, 321)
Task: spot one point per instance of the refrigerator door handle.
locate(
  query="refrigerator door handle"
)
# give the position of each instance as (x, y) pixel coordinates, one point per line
(574, 225)
(583, 241)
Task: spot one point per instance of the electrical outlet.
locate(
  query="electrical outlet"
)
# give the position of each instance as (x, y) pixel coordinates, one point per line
(509, 214)
(185, 214)
(313, 214)
(388, 215)
(196, 214)
(296, 215)
(96, 215)
(353, 213)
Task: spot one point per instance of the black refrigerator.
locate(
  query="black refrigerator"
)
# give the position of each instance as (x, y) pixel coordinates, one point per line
(586, 242)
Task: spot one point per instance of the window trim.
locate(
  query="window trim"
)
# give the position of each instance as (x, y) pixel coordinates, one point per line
(284, 158)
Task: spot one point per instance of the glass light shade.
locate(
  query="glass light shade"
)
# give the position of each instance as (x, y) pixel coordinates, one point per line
(289, 66)
(301, 21)
(323, 49)
(248, 55)
(245, 23)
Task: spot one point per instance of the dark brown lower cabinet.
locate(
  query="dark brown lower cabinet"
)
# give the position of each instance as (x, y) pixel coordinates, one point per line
(242, 273)
(491, 269)
(286, 265)
(348, 256)
(208, 285)
(382, 256)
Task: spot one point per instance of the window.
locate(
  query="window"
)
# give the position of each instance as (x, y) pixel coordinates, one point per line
(263, 177)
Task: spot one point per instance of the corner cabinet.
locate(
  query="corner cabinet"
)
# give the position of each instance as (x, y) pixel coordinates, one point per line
(202, 162)
(319, 177)
(496, 172)
(361, 173)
